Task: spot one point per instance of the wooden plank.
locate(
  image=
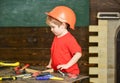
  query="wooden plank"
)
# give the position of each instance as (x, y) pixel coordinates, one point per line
(94, 80)
(102, 23)
(93, 28)
(93, 60)
(93, 70)
(93, 39)
(93, 49)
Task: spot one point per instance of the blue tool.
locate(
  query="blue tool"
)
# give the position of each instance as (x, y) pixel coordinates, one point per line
(45, 77)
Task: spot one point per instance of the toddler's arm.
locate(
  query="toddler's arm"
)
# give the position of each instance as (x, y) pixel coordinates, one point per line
(74, 60)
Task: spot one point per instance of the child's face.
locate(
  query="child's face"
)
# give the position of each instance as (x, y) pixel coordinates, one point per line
(57, 30)
(56, 26)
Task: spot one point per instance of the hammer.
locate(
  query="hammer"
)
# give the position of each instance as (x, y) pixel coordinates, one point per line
(19, 70)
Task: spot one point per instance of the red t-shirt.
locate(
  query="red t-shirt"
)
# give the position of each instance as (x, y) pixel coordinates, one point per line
(62, 50)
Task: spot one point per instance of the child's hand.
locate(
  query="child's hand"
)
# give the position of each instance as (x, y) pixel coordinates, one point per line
(48, 66)
(63, 66)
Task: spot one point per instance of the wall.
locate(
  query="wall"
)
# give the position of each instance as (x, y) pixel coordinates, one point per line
(32, 12)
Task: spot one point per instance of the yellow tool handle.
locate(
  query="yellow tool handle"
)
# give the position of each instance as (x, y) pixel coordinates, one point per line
(9, 64)
(8, 78)
(56, 78)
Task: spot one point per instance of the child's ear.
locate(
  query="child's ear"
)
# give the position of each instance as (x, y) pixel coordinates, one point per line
(64, 25)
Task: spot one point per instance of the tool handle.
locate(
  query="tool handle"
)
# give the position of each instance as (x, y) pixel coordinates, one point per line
(9, 64)
(46, 77)
(31, 70)
(8, 78)
(24, 67)
(23, 75)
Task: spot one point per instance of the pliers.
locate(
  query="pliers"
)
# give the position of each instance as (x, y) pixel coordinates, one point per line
(63, 74)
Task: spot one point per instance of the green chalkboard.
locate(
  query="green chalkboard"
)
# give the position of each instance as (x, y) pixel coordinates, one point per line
(32, 12)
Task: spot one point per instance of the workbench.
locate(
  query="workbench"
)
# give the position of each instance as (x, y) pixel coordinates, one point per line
(9, 72)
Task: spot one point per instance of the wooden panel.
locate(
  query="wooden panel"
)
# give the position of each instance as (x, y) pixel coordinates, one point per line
(108, 5)
(24, 54)
(102, 6)
(93, 12)
(25, 37)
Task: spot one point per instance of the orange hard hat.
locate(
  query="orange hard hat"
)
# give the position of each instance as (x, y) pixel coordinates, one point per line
(64, 14)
